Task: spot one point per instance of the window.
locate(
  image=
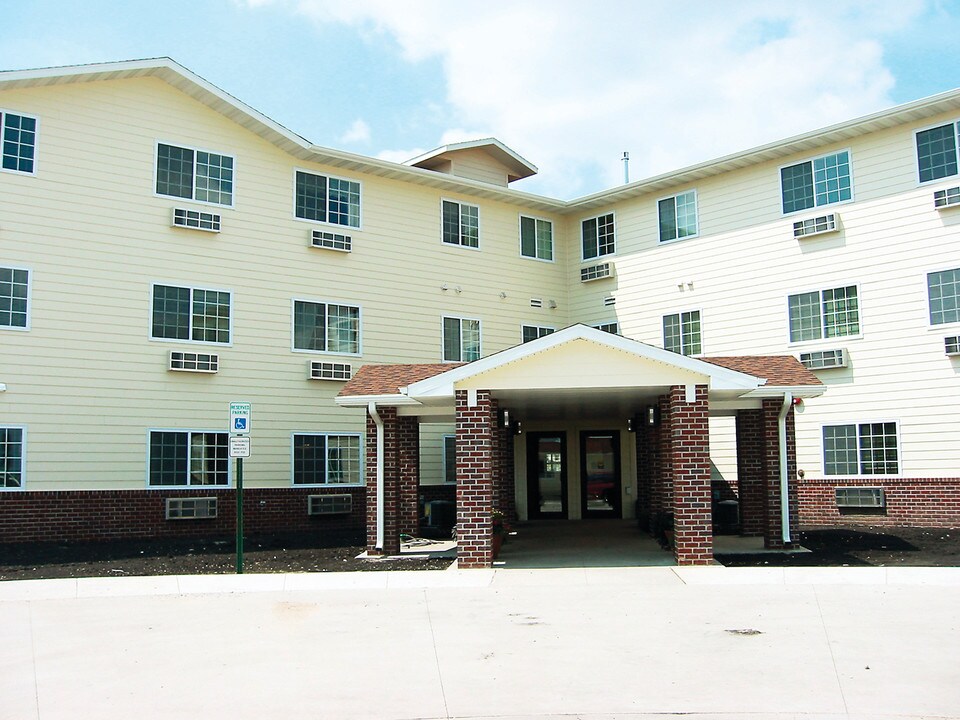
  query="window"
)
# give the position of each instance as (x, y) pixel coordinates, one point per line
(678, 216)
(461, 224)
(598, 236)
(937, 152)
(326, 327)
(536, 238)
(461, 339)
(860, 449)
(14, 298)
(11, 458)
(824, 314)
(533, 332)
(822, 181)
(19, 142)
(681, 333)
(326, 459)
(450, 458)
(182, 313)
(328, 199)
(943, 289)
(194, 174)
(612, 328)
(187, 457)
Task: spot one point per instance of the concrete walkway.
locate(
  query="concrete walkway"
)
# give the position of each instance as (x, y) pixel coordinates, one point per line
(589, 643)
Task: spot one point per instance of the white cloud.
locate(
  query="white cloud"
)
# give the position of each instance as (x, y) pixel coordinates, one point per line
(358, 132)
(570, 86)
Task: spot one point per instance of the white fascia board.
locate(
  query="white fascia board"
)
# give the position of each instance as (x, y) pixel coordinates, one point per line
(804, 391)
(381, 400)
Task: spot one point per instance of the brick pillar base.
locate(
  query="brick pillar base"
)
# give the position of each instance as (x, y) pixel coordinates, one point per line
(751, 478)
(773, 531)
(692, 518)
(408, 457)
(476, 425)
(391, 477)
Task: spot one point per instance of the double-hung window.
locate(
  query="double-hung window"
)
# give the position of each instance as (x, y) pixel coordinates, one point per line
(943, 290)
(326, 459)
(185, 313)
(11, 458)
(19, 142)
(461, 339)
(327, 199)
(450, 458)
(14, 298)
(460, 224)
(824, 314)
(534, 332)
(861, 449)
(598, 236)
(678, 216)
(536, 238)
(188, 457)
(194, 174)
(681, 333)
(326, 327)
(821, 181)
(937, 150)
(610, 327)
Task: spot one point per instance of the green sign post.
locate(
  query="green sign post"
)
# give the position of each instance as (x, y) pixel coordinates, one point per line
(239, 449)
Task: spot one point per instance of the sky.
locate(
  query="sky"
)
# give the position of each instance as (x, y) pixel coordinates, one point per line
(567, 85)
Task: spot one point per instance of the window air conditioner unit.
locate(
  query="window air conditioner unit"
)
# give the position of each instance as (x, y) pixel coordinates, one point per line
(194, 362)
(596, 272)
(824, 359)
(952, 344)
(320, 370)
(816, 225)
(860, 497)
(196, 220)
(331, 241)
(329, 504)
(946, 198)
(191, 508)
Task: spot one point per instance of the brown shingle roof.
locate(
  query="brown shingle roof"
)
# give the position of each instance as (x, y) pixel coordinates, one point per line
(779, 370)
(388, 379)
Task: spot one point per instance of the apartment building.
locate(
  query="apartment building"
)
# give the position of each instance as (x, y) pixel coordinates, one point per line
(166, 250)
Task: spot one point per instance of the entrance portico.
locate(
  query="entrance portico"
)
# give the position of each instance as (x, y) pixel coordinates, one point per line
(582, 423)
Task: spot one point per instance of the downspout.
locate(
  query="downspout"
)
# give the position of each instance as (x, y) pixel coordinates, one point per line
(372, 410)
(784, 480)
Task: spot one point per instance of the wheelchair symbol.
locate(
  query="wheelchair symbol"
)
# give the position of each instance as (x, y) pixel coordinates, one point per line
(240, 424)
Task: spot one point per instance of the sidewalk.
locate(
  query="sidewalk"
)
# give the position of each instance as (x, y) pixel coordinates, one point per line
(585, 643)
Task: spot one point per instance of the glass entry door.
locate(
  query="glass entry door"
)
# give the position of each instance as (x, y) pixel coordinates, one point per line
(546, 475)
(600, 473)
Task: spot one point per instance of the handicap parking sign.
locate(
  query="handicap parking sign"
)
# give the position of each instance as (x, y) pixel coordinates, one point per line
(239, 417)
(239, 424)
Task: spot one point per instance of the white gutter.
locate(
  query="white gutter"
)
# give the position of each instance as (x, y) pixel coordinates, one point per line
(372, 409)
(784, 480)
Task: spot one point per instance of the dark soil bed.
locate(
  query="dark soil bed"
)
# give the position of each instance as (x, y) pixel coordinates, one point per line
(863, 546)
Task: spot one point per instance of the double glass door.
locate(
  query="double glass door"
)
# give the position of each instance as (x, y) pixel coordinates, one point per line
(600, 488)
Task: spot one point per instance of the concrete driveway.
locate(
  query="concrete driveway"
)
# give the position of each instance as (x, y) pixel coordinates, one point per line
(508, 644)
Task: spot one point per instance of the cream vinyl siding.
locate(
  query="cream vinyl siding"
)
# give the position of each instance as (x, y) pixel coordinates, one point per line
(478, 165)
(88, 380)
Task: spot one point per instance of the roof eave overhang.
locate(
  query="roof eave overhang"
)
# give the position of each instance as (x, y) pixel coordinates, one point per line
(776, 391)
(396, 400)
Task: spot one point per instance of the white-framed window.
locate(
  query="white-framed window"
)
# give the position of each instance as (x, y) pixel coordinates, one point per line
(450, 459)
(943, 293)
(534, 332)
(12, 456)
(14, 298)
(824, 314)
(18, 133)
(327, 459)
(870, 448)
(681, 333)
(461, 339)
(188, 458)
(460, 223)
(327, 199)
(598, 236)
(191, 314)
(824, 180)
(536, 238)
(194, 174)
(326, 327)
(678, 216)
(610, 327)
(937, 152)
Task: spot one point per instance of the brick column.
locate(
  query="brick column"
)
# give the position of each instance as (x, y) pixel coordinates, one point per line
(476, 426)
(692, 518)
(507, 479)
(408, 457)
(751, 472)
(644, 438)
(391, 478)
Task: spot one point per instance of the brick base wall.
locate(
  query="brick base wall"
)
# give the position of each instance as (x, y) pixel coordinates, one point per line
(100, 515)
(917, 502)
